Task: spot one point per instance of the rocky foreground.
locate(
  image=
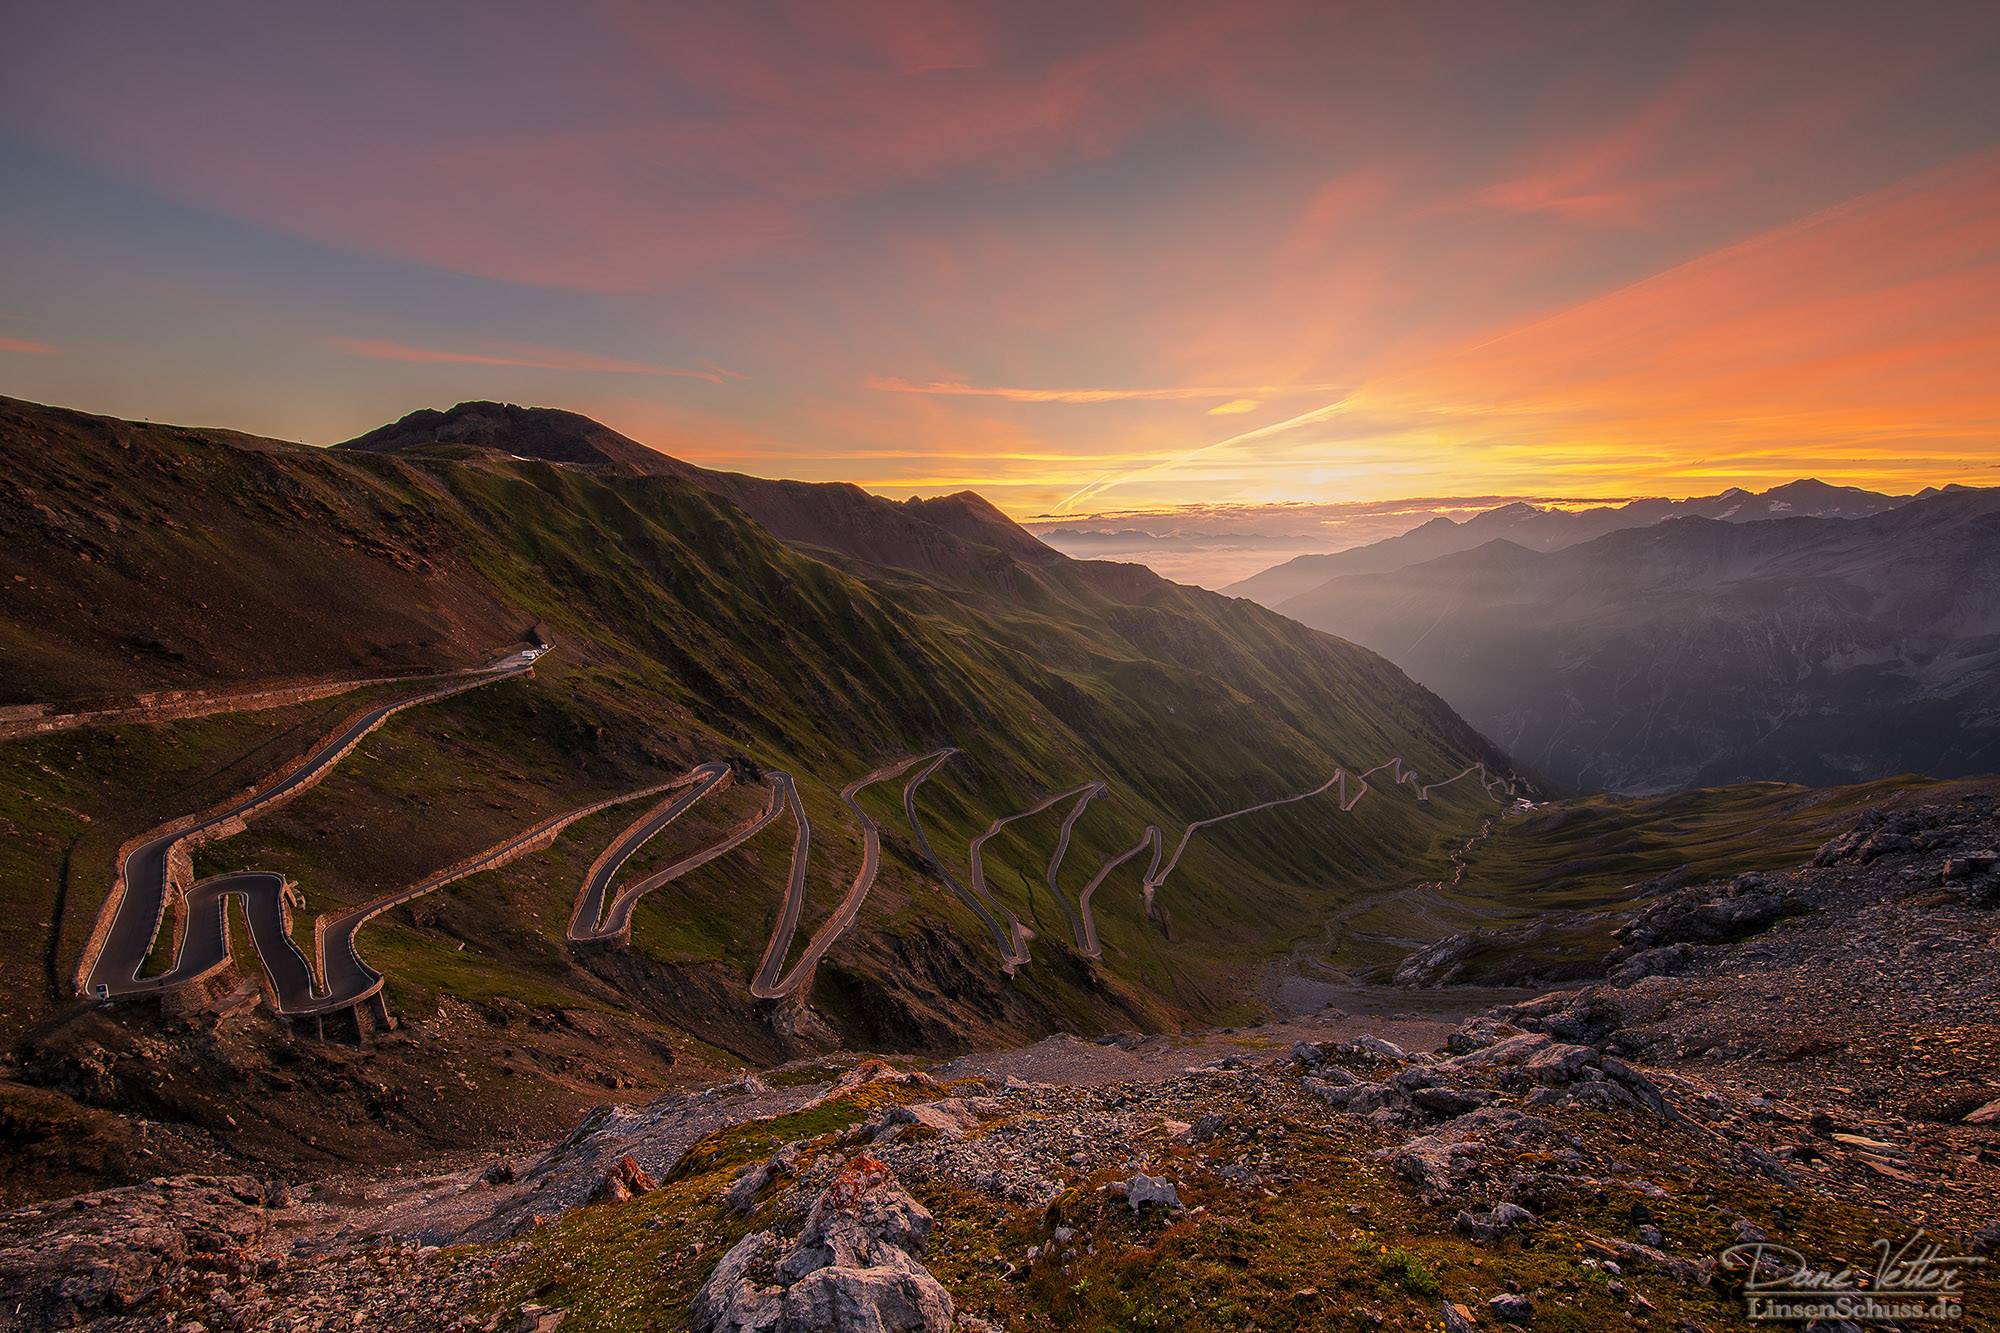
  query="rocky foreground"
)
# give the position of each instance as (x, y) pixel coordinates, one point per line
(1808, 1059)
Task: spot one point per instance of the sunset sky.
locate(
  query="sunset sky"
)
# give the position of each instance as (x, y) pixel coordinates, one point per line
(1080, 257)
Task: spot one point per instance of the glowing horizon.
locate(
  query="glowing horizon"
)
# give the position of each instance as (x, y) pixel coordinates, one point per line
(1135, 258)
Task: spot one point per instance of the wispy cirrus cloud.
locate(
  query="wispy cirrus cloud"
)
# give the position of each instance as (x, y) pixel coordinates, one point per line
(536, 358)
(1241, 397)
(1105, 483)
(29, 347)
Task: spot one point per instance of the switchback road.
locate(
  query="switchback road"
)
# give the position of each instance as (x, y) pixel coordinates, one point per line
(591, 922)
(337, 977)
(137, 905)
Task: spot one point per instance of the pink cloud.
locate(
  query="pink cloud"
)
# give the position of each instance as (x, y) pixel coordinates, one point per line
(1868, 321)
(29, 347)
(641, 146)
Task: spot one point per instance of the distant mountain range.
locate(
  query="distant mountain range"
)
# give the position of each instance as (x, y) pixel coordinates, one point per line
(1543, 529)
(1702, 649)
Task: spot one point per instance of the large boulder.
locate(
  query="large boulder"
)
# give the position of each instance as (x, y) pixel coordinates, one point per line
(1477, 1149)
(853, 1269)
(952, 1117)
(867, 1300)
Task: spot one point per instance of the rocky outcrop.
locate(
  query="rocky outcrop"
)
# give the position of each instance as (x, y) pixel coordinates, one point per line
(118, 1251)
(873, 1071)
(1439, 963)
(953, 1117)
(754, 1180)
(1881, 833)
(1705, 915)
(853, 1269)
(623, 1181)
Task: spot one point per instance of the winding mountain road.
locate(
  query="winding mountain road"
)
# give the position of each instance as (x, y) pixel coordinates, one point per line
(347, 979)
(591, 922)
(1012, 948)
(1009, 939)
(337, 977)
(768, 984)
(136, 909)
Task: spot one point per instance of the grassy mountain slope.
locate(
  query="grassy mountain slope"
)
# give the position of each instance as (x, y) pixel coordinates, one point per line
(1545, 891)
(686, 631)
(959, 537)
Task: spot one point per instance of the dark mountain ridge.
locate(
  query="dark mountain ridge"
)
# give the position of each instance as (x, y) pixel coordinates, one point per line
(938, 536)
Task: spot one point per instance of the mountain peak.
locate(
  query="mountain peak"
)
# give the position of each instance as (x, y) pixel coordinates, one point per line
(938, 535)
(549, 434)
(970, 516)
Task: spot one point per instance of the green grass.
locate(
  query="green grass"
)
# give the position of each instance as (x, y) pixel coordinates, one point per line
(1341, 1243)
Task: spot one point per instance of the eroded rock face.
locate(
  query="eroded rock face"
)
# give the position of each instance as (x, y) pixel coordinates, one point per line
(625, 1179)
(854, 1268)
(117, 1251)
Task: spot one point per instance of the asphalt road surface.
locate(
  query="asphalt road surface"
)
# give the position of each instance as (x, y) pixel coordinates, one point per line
(603, 911)
(586, 921)
(769, 984)
(1012, 948)
(140, 909)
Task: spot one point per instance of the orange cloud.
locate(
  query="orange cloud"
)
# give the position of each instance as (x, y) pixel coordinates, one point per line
(1869, 326)
(1239, 393)
(28, 347)
(539, 358)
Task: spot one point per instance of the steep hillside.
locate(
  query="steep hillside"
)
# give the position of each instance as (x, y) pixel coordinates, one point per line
(1696, 651)
(1552, 529)
(953, 536)
(684, 632)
